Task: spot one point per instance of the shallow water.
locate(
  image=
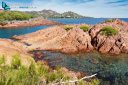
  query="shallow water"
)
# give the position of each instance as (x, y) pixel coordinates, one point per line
(111, 69)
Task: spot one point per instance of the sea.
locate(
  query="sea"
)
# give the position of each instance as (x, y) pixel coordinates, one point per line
(110, 69)
(8, 33)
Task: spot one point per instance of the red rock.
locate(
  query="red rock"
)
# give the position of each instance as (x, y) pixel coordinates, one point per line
(33, 22)
(57, 38)
(76, 40)
(9, 48)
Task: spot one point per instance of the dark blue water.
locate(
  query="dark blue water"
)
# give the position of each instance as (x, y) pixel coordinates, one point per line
(82, 20)
(8, 33)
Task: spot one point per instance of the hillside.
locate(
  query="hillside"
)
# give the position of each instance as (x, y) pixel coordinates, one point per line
(15, 19)
(54, 14)
(14, 15)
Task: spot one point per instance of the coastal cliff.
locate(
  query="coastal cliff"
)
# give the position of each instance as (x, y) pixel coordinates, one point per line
(76, 39)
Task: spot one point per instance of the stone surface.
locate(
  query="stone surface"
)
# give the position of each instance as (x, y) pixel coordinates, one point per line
(9, 48)
(110, 44)
(58, 39)
(76, 40)
(26, 23)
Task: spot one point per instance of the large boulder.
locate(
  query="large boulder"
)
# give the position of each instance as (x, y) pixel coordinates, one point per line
(110, 44)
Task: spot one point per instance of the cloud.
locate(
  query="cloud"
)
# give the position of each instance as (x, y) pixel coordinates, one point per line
(94, 8)
(118, 2)
(66, 1)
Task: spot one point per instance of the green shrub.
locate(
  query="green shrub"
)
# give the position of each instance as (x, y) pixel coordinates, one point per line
(95, 82)
(16, 62)
(2, 60)
(68, 27)
(84, 28)
(111, 20)
(17, 74)
(15, 15)
(81, 83)
(109, 31)
(42, 69)
(3, 22)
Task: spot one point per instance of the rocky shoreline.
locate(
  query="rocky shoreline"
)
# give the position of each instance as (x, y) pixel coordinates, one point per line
(28, 23)
(75, 40)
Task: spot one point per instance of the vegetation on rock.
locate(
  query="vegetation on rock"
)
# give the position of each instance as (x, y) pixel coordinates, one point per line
(110, 20)
(68, 27)
(14, 15)
(84, 28)
(3, 22)
(109, 31)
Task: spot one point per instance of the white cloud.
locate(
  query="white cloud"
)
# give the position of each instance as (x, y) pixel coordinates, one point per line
(96, 8)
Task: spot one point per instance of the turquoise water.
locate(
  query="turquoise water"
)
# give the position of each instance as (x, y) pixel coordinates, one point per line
(110, 69)
(8, 33)
(82, 20)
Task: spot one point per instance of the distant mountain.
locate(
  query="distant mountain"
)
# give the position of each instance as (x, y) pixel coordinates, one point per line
(54, 14)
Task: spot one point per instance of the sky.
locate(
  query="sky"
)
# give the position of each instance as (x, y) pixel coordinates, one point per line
(92, 8)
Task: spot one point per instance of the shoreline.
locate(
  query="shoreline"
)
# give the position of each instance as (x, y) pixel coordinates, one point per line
(75, 40)
(28, 23)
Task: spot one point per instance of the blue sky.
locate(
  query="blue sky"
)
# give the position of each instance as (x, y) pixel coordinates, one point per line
(94, 8)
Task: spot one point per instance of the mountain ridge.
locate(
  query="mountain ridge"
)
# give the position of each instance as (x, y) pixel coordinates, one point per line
(53, 14)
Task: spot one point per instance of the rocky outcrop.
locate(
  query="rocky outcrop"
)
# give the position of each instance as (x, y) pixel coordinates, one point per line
(76, 40)
(57, 38)
(9, 48)
(110, 44)
(26, 23)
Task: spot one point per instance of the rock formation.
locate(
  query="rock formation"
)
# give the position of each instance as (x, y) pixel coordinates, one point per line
(110, 44)
(9, 48)
(31, 22)
(76, 40)
(57, 38)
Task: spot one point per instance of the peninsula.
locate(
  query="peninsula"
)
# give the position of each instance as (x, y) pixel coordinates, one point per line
(17, 19)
